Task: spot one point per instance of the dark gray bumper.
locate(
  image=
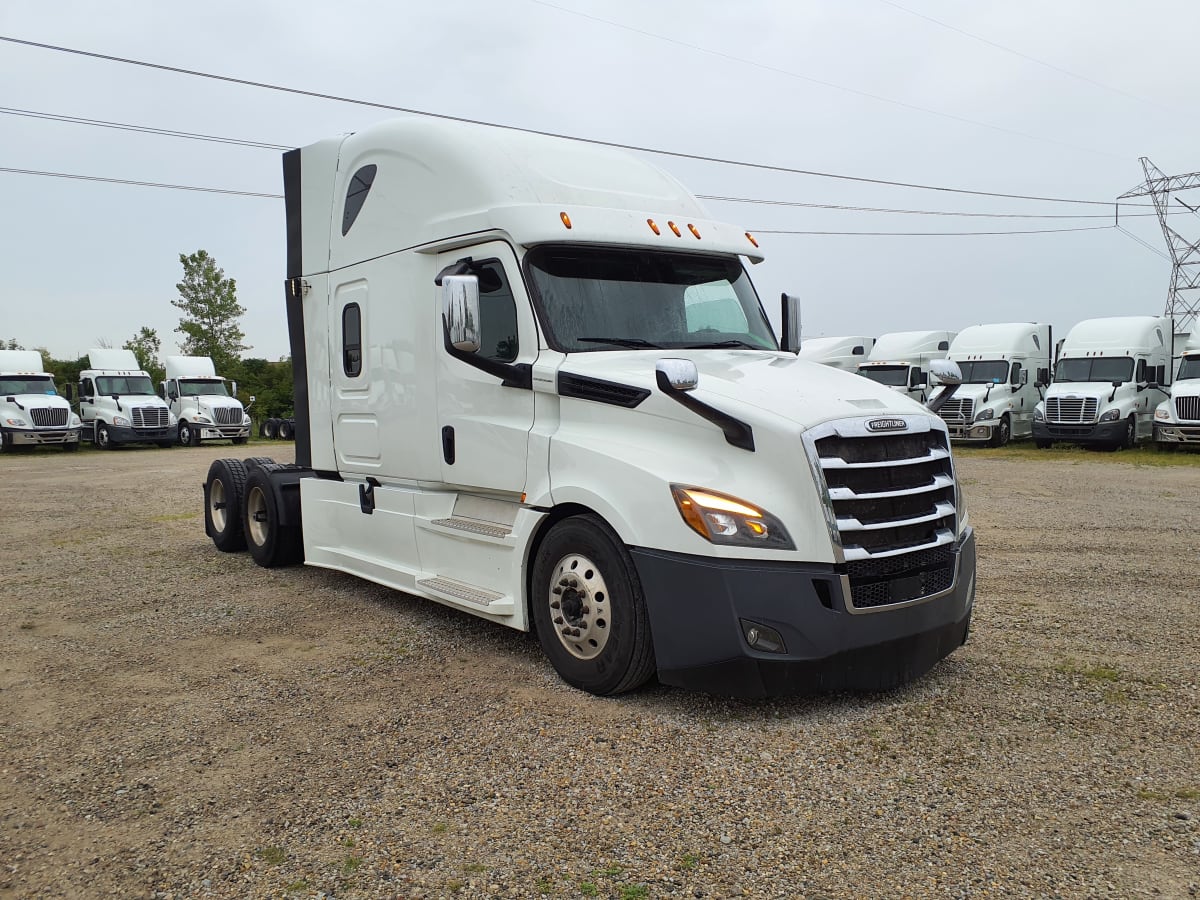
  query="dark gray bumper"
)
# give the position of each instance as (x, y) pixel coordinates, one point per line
(1105, 433)
(698, 607)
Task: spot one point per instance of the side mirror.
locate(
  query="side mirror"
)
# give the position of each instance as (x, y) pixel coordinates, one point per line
(233, 389)
(250, 404)
(1117, 383)
(679, 374)
(916, 380)
(946, 371)
(460, 311)
(70, 389)
(1043, 377)
(790, 320)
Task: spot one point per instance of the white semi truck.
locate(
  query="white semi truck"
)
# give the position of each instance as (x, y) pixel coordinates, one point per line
(534, 383)
(1110, 376)
(204, 404)
(1005, 367)
(1177, 419)
(839, 352)
(31, 410)
(901, 360)
(118, 405)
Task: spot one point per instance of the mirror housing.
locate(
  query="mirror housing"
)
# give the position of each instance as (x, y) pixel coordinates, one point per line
(460, 311)
(679, 374)
(233, 389)
(790, 322)
(70, 391)
(946, 371)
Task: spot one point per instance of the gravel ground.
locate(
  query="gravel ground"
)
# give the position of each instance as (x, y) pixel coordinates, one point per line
(176, 722)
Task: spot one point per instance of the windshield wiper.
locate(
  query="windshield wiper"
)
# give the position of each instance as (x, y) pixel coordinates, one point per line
(620, 342)
(717, 345)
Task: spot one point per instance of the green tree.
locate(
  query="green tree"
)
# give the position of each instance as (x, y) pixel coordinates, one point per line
(10, 344)
(146, 346)
(211, 312)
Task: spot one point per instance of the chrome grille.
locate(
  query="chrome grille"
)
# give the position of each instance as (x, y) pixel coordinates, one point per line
(958, 409)
(48, 418)
(1071, 409)
(1188, 408)
(227, 415)
(150, 417)
(892, 498)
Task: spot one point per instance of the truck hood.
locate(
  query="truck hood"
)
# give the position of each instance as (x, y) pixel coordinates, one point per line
(41, 401)
(1086, 390)
(775, 383)
(1188, 388)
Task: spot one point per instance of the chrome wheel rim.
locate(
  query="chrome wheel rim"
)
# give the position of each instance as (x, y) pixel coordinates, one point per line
(216, 503)
(256, 515)
(579, 606)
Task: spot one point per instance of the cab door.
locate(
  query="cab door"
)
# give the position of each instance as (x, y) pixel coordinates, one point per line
(483, 424)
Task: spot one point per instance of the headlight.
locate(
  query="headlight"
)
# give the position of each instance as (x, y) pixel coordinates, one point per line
(960, 506)
(1039, 414)
(75, 421)
(988, 413)
(1111, 415)
(172, 419)
(245, 419)
(1162, 415)
(19, 423)
(204, 420)
(120, 420)
(721, 519)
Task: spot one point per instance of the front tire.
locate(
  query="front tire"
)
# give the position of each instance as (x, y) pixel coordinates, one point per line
(103, 439)
(1130, 438)
(1003, 433)
(270, 543)
(186, 436)
(589, 609)
(223, 492)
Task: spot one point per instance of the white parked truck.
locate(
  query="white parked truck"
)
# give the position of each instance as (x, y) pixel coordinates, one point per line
(31, 410)
(534, 383)
(1110, 376)
(205, 405)
(839, 352)
(1177, 419)
(118, 405)
(1005, 367)
(900, 360)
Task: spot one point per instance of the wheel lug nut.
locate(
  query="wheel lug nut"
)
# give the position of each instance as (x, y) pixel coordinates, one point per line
(554, 604)
(585, 610)
(558, 620)
(575, 632)
(566, 632)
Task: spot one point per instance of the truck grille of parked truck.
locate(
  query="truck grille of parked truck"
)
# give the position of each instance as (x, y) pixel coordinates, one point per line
(893, 504)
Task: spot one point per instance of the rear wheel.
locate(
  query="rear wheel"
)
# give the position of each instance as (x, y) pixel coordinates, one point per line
(589, 608)
(223, 491)
(286, 429)
(270, 543)
(270, 428)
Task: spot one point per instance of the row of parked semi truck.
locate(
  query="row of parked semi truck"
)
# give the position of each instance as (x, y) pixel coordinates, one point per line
(1111, 382)
(116, 402)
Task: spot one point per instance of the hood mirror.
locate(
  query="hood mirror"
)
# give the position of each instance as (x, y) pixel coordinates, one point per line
(946, 371)
(679, 374)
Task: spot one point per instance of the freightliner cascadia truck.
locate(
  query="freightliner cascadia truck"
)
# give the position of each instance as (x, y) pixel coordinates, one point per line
(901, 360)
(534, 383)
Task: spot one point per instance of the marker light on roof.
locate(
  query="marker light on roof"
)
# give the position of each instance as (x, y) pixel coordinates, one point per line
(692, 229)
(675, 228)
(566, 220)
(751, 239)
(653, 227)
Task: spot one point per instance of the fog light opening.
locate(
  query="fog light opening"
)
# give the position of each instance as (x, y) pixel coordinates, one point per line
(762, 637)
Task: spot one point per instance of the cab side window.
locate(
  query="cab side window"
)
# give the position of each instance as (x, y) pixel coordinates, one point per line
(497, 312)
(87, 388)
(1141, 371)
(1016, 374)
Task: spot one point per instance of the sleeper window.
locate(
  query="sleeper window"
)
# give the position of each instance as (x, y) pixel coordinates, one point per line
(356, 195)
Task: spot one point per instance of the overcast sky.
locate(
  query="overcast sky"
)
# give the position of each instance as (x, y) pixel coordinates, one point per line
(1055, 99)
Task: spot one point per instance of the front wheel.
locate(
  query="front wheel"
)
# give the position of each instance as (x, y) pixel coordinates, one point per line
(589, 609)
(1130, 438)
(103, 439)
(1002, 433)
(187, 437)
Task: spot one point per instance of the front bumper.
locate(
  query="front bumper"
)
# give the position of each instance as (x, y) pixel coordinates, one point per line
(1091, 433)
(42, 435)
(977, 433)
(1176, 434)
(125, 434)
(699, 607)
(220, 432)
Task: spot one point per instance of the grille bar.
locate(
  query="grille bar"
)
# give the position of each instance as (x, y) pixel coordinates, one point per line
(227, 415)
(150, 417)
(936, 483)
(48, 417)
(1188, 408)
(1069, 410)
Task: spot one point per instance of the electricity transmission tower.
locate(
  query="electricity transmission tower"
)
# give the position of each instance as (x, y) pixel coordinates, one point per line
(1183, 296)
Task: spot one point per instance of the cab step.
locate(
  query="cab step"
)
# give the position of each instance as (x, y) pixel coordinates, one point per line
(493, 603)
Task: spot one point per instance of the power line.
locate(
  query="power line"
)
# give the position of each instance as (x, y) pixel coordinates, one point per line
(141, 129)
(916, 212)
(1147, 245)
(822, 82)
(153, 184)
(1026, 56)
(929, 233)
(634, 147)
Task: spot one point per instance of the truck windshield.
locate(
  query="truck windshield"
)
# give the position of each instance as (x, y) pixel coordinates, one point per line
(984, 371)
(1105, 369)
(26, 384)
(1189, 368)
(106, 385)
(203, 387)
(594, 299)
(892, 376)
